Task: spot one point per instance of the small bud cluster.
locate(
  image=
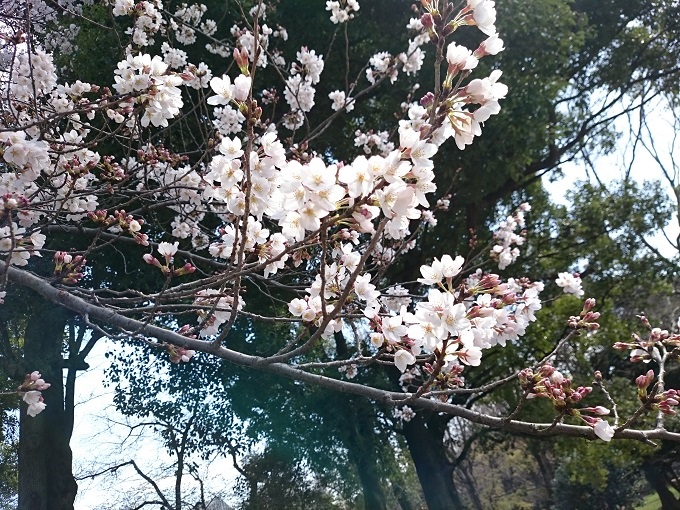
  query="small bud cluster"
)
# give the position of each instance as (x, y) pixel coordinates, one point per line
(68, 268)
(110, 170)
(168, 269)
(179, 354)
(664, 401)
(646, 349)
(450, 376)
(120, 221)
(587, 319)
(30, 391)
(550, 383)
(11, 201)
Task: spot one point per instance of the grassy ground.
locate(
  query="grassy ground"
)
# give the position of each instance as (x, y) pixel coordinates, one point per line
(652, 502)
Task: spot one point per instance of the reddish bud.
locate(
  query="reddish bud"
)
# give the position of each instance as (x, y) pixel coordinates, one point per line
(150, 259)
(427, 21)
(644, 381)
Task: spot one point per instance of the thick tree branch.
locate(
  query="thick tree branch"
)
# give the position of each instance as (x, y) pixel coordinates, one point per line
(110, 317)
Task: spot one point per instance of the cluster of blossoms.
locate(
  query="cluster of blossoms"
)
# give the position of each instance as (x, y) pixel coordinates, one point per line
(342, 11)
(270, 210)
(340, 101)
(507, 240)
(385, 65)
(147, 16)
(299, 91)
(34, 75)
(262, 188)
(38, 17)
(26, 156)
(17, 246)
(31, 392)
(379, 141)
(404, 413)
(185, 18)
(149, 84)
(551, 384)
(253, 208)
(570, 283)
(456, 321)
(214, 309)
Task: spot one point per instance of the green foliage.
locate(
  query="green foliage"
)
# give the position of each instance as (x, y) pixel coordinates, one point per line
(596, 478)
(9, 459)
(272, 481)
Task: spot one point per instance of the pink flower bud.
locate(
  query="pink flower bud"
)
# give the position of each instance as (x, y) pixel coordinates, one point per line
(427, 21)
(546, 370)
(510, 298)
(556, 377)
(185, 269)
(600, 410)
(427, 99)
(644, 320)
(241, 58)
(150, 259)
(644, 381)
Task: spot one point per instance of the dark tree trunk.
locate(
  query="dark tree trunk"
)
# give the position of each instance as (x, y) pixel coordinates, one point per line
(403, 498)
(434, 469)
(656, 479)
(362, 452)
(360, 440)
(45, 460)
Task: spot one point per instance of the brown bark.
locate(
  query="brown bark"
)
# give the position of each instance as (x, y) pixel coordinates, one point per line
(46, 479)
(435, 471)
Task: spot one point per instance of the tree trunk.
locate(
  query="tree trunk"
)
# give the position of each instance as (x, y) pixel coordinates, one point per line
(360, 442)
(435, 471)
(361, 449)
(45, 460)
(658, 483)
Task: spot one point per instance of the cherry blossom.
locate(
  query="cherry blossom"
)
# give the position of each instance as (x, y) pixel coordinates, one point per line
(570, 283)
